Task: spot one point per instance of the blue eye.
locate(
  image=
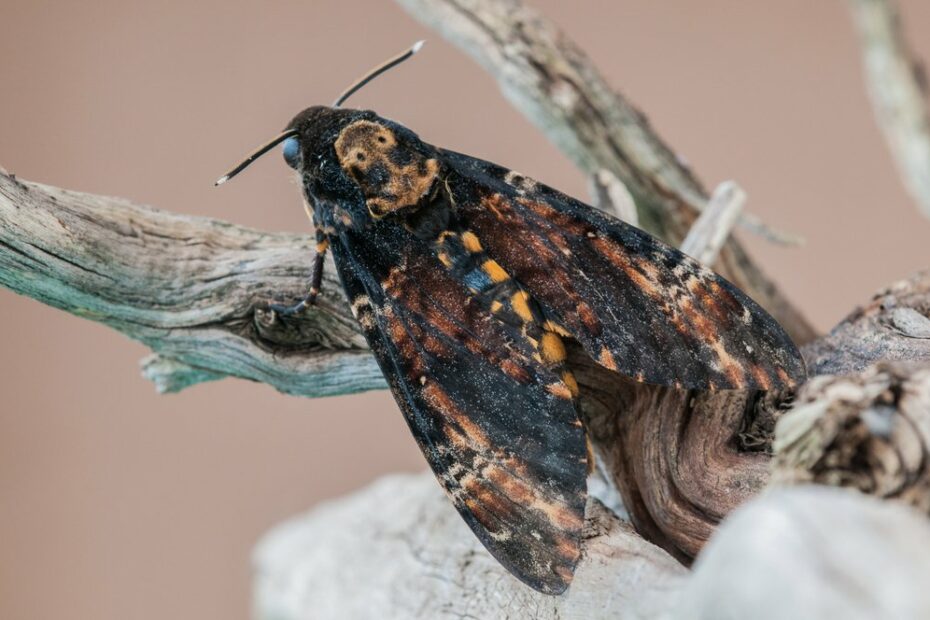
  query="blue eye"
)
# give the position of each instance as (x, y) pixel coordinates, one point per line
(291, 150)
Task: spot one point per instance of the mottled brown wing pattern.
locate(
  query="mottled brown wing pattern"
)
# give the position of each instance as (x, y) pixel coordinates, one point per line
(637, 305)
(510, 454)
(467, 277)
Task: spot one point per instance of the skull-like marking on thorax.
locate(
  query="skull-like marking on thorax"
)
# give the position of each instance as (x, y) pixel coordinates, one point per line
(391, 175)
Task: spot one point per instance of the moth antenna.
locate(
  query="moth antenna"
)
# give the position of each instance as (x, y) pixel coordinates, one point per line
(255, 155)
(365, 79)
(372, 74)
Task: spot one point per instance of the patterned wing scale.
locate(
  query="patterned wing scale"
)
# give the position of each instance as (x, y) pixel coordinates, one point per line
(637, 305)
(510, 454)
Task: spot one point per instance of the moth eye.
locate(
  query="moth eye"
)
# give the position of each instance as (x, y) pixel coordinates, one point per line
(291, 149)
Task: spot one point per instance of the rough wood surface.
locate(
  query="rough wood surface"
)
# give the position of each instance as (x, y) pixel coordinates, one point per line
(892, 326)
(398, 549)
(683, 460)
(869, 431)
(675, 456)
(813, 552)
(550, 80)
(865, 421)
(897, 85)
(192, 289)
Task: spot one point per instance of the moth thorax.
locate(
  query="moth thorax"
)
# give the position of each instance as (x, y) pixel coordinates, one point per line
(391, 174)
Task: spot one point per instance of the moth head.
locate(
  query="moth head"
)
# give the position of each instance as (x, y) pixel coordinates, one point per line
(311, 135)
(356, 158)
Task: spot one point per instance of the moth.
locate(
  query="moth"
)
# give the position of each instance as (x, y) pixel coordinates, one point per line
(468, 279)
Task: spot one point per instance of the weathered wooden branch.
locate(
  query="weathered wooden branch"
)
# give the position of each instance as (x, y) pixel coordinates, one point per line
(189, 288)
(550, 80)
(683, 460)
(897, 85)
(892, 326)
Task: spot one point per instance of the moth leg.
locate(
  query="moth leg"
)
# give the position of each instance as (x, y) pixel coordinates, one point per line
(316, 280)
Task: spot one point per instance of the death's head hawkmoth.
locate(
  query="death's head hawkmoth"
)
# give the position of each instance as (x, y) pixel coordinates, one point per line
(468, 278)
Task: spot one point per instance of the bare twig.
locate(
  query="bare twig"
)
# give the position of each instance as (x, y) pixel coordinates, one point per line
(752, 223)
(611, 195)
(897, 86)
(713, 226)
(548, 78)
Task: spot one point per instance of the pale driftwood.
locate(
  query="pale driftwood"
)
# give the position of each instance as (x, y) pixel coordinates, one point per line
(398, 550)
(191, 289)
(550, 80)
(897, 86)
(866, 425)
(710, 231)
(813, 552)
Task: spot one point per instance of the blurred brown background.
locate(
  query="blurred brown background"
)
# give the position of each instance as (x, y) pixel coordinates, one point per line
(119, 503)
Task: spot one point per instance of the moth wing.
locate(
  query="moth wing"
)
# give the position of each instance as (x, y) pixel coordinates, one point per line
(637, 305)
(510, 454)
